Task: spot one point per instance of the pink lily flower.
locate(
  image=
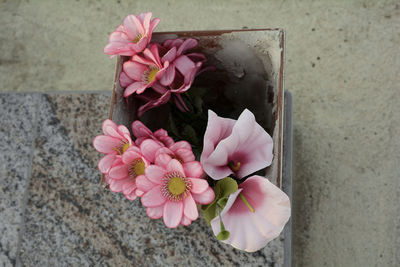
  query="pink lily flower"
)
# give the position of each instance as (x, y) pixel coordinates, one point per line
(132, 36)
(115, 141)
(141, 132)
(254, 215)
(239, 147)
(171, 190)
(144, 71)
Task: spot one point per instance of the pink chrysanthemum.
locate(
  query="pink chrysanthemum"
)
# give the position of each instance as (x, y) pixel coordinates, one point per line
(115, 141)
(171, 190)
(132, 36)
(144, 71)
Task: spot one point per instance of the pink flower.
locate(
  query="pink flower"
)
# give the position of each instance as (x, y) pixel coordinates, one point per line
(183, 68)
(141, 132)
(132, 36)
(144, 72)
(178, 77)
(115, 141)
(254, 215)
(124, 172)
(235, 147)
(171, 190)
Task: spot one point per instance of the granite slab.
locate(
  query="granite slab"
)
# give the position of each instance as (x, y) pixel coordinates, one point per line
(17, 132)
(71, 220)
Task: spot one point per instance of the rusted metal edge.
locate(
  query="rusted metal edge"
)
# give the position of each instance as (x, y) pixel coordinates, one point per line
(280, 101)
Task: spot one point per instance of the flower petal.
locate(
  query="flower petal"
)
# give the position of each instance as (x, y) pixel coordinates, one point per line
(132, 196)
(185, 155)
(170, 55)
(184, 65)
(153, 198)
(106, 162)
(215, 163)
(155, 174)
(129, 187)
(190, 208)
(146, 21)
(119, 171)
(153, 25)
(149, 149)
(109, 124)
(133, 26)
(116, 185)
(140, 130)
(155, 212)
(198, 185)
(186, 45)
(185, 221)
(168, 76)
(193, 169)
(144, 184)
(130, 155)
(134, 70)
(106, 144)
(204, 198)
(175, 165)
(119, 48)
(138, 87)
(172, 213)
(181, 144)
(163, 160)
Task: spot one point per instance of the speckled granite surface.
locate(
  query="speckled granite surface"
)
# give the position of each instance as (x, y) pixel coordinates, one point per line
(17, 117)
(71, 221)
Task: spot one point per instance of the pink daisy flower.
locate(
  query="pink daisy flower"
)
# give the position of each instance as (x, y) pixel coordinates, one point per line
(132, 36)
(115, 141)
(144, 71)
(171, 190)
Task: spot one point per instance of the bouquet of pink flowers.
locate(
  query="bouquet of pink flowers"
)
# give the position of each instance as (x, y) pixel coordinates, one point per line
(204, 161)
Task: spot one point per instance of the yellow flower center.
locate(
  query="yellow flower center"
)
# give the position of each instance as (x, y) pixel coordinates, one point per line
(152, 75)
(176, 186)
(125, 147)
(122, 148)
(137, 38)
(137, 168)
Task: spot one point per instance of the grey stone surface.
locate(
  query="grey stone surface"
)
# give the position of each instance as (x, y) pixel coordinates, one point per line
(17, 131)
(71, 221)
(342, 67)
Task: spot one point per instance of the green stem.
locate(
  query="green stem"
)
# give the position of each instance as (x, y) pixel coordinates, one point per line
(246, 202)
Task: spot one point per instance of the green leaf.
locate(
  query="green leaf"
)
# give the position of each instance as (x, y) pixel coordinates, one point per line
(227, 186)
(222, 190)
